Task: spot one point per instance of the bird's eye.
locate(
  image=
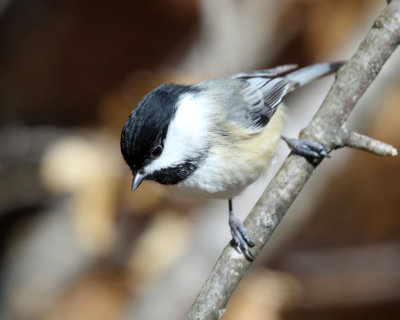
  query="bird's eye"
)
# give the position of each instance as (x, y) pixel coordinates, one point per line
(156, 151)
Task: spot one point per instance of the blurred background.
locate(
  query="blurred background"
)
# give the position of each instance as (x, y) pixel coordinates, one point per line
(77, 244)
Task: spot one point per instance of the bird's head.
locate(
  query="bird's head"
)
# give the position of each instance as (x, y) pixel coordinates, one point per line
(164, 138)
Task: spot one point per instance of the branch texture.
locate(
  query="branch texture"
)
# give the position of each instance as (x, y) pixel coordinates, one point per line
(328, 128)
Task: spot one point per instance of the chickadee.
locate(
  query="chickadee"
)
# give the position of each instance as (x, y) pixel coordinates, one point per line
(214, 138)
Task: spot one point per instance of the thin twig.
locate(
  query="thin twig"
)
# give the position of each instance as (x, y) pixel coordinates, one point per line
(359, 141)
(351, 82)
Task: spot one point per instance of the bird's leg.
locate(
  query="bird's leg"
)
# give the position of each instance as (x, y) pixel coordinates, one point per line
(240, 240)
(306, 148)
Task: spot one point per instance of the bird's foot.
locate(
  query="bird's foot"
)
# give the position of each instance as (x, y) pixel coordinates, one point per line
(240, 240)
(306, 148)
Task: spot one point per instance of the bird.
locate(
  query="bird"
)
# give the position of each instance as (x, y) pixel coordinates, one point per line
(214, 138)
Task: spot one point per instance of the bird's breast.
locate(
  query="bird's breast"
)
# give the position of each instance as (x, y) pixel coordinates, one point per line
(233, 162)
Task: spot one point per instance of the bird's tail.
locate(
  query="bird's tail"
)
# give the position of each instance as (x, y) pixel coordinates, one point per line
(310, 73)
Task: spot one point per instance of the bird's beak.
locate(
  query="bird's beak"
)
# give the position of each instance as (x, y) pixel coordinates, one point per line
(137, 180)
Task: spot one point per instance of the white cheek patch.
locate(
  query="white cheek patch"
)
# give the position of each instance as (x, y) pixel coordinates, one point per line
(187, 133)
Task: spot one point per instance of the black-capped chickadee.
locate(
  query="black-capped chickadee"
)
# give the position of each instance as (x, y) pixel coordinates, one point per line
(214, 138)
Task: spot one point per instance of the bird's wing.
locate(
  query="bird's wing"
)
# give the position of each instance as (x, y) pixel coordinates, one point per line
(261, 92)
(258, 93)
(262, 96)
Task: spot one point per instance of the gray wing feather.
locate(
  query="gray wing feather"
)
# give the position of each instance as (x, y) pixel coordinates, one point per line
(262, 91)
(251, 99)
(262, 96)
(275, 91)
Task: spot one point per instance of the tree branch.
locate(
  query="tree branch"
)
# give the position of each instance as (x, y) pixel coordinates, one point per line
(328, 128)
(359, 141)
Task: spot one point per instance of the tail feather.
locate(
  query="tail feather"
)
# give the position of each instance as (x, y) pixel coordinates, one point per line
(310, 73)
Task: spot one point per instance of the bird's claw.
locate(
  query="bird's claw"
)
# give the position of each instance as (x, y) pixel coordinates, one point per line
(240, 240)
(306, 148)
